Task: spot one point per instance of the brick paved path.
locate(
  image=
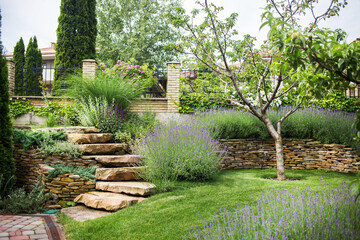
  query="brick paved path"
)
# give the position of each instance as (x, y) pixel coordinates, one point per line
(18, 227)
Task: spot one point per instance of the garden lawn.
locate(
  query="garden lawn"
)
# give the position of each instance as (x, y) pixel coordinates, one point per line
(170, 215)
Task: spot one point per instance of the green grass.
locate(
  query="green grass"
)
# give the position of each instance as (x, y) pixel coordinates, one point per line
(169, 215)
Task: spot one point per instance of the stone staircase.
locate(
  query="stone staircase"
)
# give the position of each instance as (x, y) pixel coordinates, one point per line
(118, 183)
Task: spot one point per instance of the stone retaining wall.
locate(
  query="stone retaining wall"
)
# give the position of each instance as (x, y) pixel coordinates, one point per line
(298, 154)
(28, 165)
(65, 186)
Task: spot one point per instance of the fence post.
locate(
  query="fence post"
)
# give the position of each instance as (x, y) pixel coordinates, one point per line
(11, 76)
(89, 68)
(173, 86)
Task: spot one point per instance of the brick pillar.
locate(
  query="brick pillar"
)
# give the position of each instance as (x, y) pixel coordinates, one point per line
(173, 86)
(11, 76)
(89, 68)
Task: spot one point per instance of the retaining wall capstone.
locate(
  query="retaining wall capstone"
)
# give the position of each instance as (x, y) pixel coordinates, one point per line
(298, 154)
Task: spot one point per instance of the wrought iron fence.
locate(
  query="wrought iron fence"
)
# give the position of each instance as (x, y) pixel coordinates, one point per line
(39, 80)
(159, 89)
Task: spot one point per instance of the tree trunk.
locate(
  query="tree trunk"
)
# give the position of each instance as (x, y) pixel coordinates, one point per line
(280, 159)
(278, 146)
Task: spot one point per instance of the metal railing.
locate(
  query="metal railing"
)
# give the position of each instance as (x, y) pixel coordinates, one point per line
(39, 80)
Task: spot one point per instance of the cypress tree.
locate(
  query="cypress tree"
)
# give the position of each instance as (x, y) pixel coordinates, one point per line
(76, 35)
(33, 69)
(7, 164)
(19, 59)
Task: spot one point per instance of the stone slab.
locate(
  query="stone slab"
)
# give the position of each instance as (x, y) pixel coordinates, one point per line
(133, 188)
(107, 201)
(70, 129)
(115, 160)
(82, 213)
(118, 174)
(102, 148)
(83, 138)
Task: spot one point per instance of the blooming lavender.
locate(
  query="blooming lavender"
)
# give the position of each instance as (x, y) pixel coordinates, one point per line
(326, 126)
(180, 150)
(331, 213)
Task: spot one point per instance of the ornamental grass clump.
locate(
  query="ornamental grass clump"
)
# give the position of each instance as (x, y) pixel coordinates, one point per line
(179, 150)
(282, 214)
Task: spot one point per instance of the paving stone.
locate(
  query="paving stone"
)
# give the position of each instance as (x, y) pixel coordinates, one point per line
(115, 160)
(102, 148)
(28, 232)
(4, 234)
(37, 236)
(40, 231)
(90, 137)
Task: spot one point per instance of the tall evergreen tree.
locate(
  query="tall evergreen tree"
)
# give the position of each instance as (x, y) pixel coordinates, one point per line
(7, 164)
(76, 35)
(33, 69)
(19, 59)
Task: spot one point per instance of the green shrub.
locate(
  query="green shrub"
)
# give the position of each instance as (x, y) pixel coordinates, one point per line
(19, 107)
(61, 147)
(51, 120)
(28, 138)
(136, 126)
(18, 201)
(110, 118)
(179, 151)
(118, 89)
(83, 172)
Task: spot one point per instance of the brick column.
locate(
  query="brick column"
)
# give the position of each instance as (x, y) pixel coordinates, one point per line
(89, 68)
(173, 86)
(11, 76)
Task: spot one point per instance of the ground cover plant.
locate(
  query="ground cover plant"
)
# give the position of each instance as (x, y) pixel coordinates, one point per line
(331, 213)
(19, 201)
(169, 215)
(326, 126)
(83, 172)
(179, 150)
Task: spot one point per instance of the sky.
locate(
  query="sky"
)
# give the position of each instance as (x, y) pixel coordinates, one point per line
(27, 18)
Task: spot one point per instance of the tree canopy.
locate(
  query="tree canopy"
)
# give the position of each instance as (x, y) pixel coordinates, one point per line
(294, 60)
(136, 31)
(33, 69)
(76, 35)
(19, 59)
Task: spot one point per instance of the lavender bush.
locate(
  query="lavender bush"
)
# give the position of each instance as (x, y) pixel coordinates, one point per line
(110, 118)
(179, 150)
(331, 213)
(327, 126)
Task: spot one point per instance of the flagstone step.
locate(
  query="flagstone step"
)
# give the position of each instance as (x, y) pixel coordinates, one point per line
(81, 213)
(70, 129)
(84, 138)
(103, 148)
(114, 160)
(133, 188)
(118, 174)
(106, 200)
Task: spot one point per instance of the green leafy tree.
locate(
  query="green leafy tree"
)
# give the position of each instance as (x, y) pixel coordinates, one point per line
(136, 31)
(76, 36)
(7, 164)
(19, 59)
(33, 69)
(285, 64)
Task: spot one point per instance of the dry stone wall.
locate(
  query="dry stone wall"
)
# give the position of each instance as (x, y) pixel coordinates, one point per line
(65, 186)
(298, 154)
(28, 165)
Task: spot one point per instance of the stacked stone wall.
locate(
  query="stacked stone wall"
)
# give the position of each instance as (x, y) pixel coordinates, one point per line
(298, 154)
(28, 165)
(65, 186)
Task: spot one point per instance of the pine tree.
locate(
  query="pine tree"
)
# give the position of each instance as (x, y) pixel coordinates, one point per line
(76, 36)
(7, 164)
(33, 69)
(19, 59)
